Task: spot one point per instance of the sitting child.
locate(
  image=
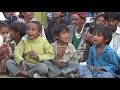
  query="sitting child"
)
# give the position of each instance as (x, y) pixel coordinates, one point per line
(65, 62)
(5, 50)
(17, 31)
(30, 53)
(102, 60)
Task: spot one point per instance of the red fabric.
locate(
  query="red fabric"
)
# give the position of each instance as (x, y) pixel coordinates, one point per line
(81, 14)
(5, 54)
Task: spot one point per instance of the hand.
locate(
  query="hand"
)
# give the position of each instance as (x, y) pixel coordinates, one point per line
(60, 64)
(33, 55)
(99, 69)
(1, 69)
(24, 64)
(92, 68)
(88, 37)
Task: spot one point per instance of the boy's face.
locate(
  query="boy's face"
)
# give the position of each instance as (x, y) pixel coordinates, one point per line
(112, 23)
(32, 31)
(4, 33)
(13, 34)
(63, 36)
(99, 39)
(58, 14)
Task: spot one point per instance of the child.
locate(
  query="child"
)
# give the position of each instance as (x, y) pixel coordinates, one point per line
(102, 60)
(57, 18)
(17, 31)
(5, 50)
(30, 53)
(65, 62)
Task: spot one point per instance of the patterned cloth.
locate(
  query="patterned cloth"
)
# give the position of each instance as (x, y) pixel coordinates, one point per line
(5, 54)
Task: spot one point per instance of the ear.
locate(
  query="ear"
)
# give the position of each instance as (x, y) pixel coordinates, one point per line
(40, 32)
(56, 37)
(17, 34)
(106, 40)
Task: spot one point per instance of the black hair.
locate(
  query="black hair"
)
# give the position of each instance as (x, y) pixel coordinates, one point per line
(113, 15)
(21, 15)
(64, 13)
(105, 31)
(3, 24)
(39, 25)
(18, 27)
(59, 28)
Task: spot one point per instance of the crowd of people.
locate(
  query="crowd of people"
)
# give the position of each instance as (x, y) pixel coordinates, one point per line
(70, 39)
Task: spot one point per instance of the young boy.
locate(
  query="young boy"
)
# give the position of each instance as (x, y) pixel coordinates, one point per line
(65, 62)
(57, 18)
(30, 53)
(17, 31)
(5, 50)
(102, 60)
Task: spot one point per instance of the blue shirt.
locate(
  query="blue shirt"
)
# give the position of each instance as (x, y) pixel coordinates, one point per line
(108, 59)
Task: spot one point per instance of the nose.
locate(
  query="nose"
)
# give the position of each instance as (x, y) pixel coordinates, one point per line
(6, 35)
(73, 21)
(67, 34)
(95, 36)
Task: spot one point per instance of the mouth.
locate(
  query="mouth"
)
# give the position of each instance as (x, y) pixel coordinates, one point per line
(66, 39)
(30, 36)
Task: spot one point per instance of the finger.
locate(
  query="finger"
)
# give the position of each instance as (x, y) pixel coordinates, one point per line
(24, 67)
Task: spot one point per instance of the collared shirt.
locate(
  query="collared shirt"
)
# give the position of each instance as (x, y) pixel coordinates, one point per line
(69, 53)
(115, 42)
(78, 35)
(108, 59)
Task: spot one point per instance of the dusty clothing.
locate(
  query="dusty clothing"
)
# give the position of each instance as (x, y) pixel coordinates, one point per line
(68, 55)
(77, 39)
(5, 54)
(69, 59)
(40, 45)
(84, 72)
(15, 69)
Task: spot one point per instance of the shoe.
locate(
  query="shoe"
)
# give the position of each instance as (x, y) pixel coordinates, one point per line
(10, 74)
(36, 75)
(70, 75)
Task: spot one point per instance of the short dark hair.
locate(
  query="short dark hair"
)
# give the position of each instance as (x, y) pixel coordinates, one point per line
(19, 27)
(59, 28)
(3, 24)
(113, 15)
(105, 31)
(21, 15)
(39, 25)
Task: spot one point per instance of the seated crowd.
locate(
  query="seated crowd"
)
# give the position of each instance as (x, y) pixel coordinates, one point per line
(73, 50)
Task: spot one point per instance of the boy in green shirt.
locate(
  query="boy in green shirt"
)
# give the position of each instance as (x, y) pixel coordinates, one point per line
(30, 53)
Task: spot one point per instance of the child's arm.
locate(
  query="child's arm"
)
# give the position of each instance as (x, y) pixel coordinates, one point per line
(90, 58)
(99, 69)
(49, 54)
(113, 62)
(91, 68)
(18, 52)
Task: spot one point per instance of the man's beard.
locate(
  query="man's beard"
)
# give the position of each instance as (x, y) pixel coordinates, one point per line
(75, 27)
